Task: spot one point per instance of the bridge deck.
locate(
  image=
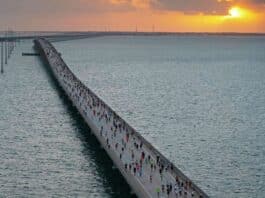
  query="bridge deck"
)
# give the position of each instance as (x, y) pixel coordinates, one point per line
(139, 160)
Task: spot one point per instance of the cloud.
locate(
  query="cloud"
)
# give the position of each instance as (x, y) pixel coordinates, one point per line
(132, 3)
(188, 6)
(192, 6)
(60, 8)
(34, 14)
(259, 1)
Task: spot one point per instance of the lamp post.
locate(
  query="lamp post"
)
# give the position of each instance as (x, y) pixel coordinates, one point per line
(6, 52)
(2, 57)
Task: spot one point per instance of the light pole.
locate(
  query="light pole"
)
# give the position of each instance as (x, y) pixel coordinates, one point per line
(6, 48)
(2, 57)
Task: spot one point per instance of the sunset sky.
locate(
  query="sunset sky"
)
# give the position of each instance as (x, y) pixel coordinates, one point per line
(129, 15)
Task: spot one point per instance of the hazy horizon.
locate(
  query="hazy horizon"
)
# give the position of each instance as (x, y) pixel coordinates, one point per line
(139, 32)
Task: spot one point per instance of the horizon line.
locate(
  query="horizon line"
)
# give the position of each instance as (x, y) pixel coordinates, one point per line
(137, 32)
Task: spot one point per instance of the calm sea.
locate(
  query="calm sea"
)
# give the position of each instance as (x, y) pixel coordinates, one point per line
(199, 99)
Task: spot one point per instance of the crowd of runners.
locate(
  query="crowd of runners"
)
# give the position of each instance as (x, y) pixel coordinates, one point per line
(156, 174)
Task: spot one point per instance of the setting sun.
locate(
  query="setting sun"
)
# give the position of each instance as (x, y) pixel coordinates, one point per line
(235, 12)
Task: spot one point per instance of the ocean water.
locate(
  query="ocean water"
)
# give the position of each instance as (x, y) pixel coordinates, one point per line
(46, 149)
(198, 99)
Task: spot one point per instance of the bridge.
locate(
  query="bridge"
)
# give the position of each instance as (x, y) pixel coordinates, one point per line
(61, 36)
(9, 39)
(56, 36)
(146, 170)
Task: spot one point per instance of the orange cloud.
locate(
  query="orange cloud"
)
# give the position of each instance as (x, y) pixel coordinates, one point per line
(133, 3)
(125, 15)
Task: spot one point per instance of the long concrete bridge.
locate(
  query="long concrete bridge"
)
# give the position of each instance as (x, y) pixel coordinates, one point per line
(9, 39)
(51, 37)
(146, 170)
(62, 36)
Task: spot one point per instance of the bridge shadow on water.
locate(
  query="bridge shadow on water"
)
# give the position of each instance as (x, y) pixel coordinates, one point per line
(112, 180)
